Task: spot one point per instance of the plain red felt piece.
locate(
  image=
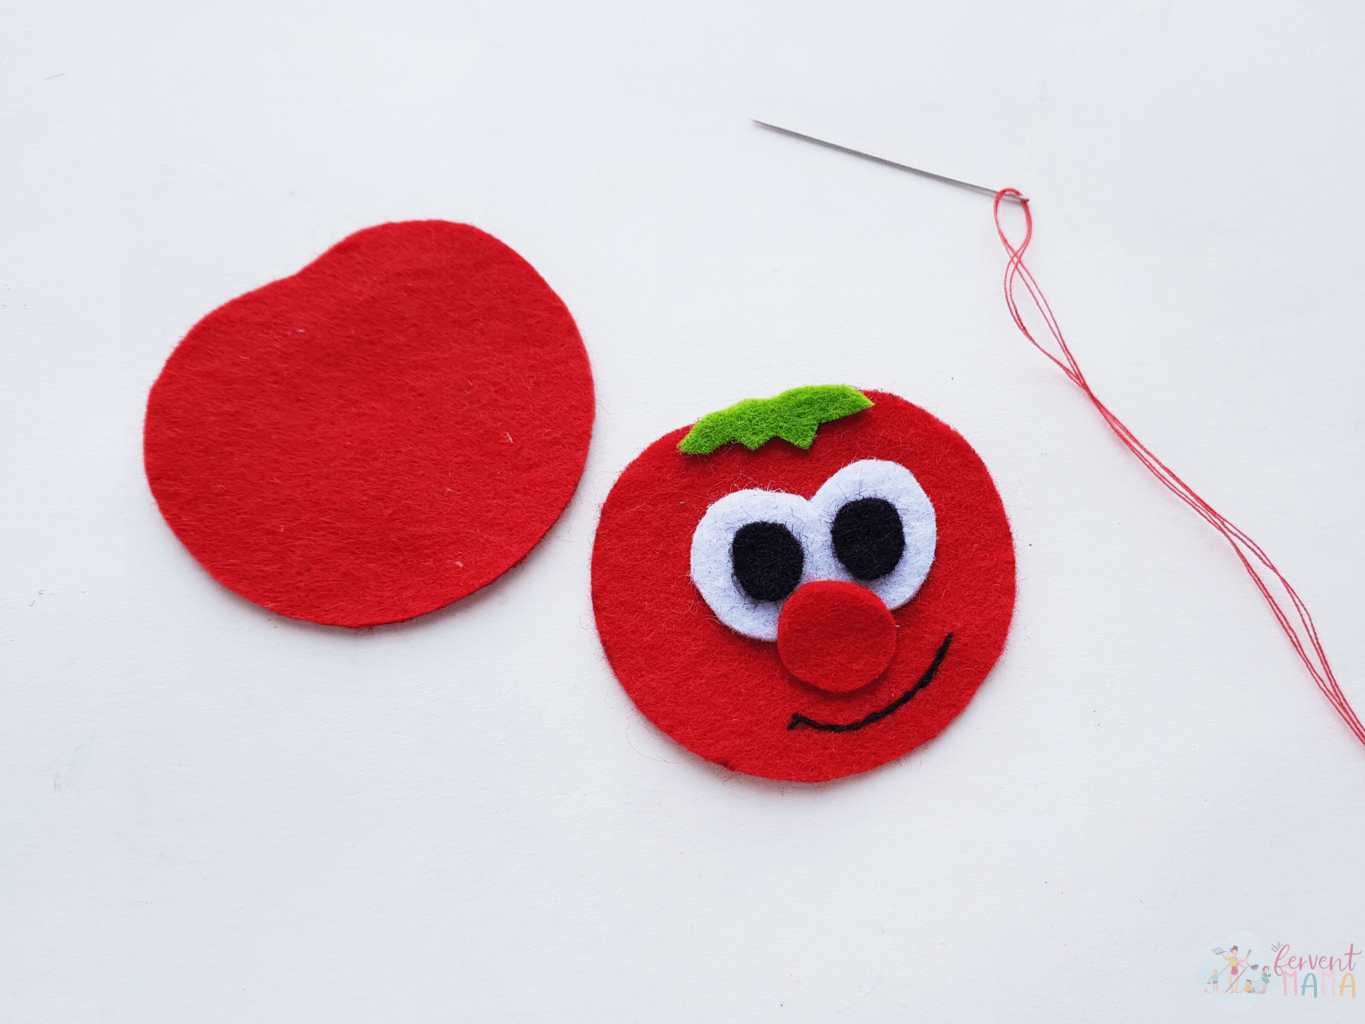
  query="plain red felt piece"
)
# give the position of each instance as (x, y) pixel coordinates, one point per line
(727, 697)
(381, 434)
(835, 635)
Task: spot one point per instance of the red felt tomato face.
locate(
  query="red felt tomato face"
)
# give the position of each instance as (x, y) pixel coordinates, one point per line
(806, 614)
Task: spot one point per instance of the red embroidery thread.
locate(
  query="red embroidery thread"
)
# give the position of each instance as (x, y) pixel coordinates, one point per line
(1294, 618)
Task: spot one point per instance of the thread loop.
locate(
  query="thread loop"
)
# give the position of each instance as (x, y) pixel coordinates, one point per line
(1285, 604)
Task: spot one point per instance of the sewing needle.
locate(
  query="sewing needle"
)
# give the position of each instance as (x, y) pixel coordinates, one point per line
(982, 189)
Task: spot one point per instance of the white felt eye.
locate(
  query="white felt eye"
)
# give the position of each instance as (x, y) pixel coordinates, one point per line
(751, 550)
(878, 529)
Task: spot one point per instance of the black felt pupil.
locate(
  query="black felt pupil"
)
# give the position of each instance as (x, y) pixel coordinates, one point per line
(768, 560)
(868, 537)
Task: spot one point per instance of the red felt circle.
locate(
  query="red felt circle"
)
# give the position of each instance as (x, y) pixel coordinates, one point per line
(835, 635)
(387, 430)
(728, 697)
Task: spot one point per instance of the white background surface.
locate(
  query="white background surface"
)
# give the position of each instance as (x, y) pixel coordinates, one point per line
(214, 814)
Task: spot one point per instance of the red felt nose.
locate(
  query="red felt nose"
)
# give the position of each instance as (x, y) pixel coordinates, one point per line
(835, 635)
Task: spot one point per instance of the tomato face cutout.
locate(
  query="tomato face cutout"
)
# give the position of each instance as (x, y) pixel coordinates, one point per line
(380, 434)
(806, 614)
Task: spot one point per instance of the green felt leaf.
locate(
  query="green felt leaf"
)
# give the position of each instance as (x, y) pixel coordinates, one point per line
(794, 416)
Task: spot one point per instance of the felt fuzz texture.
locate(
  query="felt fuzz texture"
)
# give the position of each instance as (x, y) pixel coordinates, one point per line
(666, 531)
(871, 522)
(767, 560)
(382, 433)
(794, 416)
(835, 635)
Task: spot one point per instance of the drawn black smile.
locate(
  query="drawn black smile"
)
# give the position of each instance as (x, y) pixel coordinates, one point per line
(877, 716)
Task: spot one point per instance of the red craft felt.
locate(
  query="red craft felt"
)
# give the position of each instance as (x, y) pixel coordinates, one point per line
(835, 635)
(727, 697)
(382, 433)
